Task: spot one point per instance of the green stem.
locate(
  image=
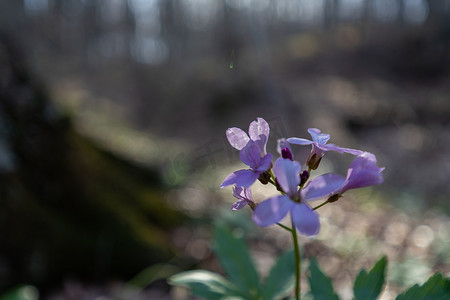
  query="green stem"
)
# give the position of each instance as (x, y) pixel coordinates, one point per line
(272, 182)
(320, 205)
(284, 227)
(301, 187)
(297, 262)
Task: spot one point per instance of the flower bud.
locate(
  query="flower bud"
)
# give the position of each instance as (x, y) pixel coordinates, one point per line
(313, 161)
(334, 198)
(286, 153)
(304, 177)
(264, 177)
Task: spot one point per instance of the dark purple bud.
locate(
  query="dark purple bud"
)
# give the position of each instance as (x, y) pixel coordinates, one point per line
(286, 153)
(264, 177)
(313, 161)
(334, 198)
(304, 177)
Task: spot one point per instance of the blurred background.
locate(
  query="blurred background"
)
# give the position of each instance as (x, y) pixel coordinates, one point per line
(112, 136)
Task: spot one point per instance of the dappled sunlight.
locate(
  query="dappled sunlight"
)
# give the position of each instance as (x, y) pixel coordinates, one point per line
(113, 146)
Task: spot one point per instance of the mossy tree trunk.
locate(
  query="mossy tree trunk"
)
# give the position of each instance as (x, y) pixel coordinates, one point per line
(68, 207)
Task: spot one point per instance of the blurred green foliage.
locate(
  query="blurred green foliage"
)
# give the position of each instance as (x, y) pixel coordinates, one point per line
(243, 280)
(22, 292)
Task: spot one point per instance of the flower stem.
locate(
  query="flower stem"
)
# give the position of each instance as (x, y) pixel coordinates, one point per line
(284, 227)
(320, 205)
(272, 182)
(297, 262)
(272, 177)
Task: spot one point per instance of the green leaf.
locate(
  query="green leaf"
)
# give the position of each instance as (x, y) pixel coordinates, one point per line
(436, 288)
(206, 284)
(281, 279)
(368, 285)
(320, 285)
(236, 261)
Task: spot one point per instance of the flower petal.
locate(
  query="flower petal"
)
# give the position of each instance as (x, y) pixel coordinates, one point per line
(250, 155)
(287, 173)
(272, 210)
(242, 178)
(237, 137)
(239, 204)
(318, 149)
(363, 172)
(305, 219)
(299, 141)
(259, 132)
(281, 144)
(365, 178)
(318, 137)
(244, 195)
(238, 192)
(365, 161)
(322, 186)
(265, 163)
(248, 194)
(333, 147)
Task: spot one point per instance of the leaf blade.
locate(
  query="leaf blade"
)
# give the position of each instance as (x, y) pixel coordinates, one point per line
(281, 279)
(236, 261)
(205, 284)
(368, 286)
(435, 288)
(320, 284)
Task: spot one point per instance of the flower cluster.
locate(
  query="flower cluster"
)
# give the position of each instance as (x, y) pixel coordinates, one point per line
(293, 182)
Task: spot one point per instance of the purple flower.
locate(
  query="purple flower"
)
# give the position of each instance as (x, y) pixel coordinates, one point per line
(245, 197)
(363, 172)
(259, 132)
(250, 155)
(305, 219)
(320, 146)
